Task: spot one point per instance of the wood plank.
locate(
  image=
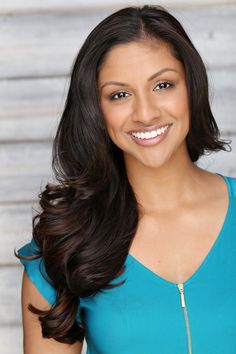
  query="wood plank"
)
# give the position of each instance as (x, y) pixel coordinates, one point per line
(222, 162)
(25, 159)
(22, 188)
(222, 96)
(15, 229)
(31, 109)
(26, 169)
(12, 6)
(14, 234)
(47, 43)
(34, 128)
(41, 98)
(10, 311)
(11, 341)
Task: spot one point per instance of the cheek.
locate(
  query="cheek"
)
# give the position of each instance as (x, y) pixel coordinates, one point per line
(179, 102)
(114, 116)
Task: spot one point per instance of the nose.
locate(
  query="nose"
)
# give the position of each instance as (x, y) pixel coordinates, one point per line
(146, 109)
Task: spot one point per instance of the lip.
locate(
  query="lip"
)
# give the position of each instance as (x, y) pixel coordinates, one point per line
(148, 129)
(152, 141)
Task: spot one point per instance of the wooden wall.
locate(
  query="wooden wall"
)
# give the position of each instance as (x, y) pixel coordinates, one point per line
(38, 42)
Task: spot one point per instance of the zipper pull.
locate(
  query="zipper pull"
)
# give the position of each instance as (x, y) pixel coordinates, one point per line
(181, 290)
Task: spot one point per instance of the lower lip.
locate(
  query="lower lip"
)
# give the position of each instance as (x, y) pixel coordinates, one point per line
(152, 141)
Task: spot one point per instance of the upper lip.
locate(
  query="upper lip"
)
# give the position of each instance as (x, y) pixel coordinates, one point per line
(148, 129)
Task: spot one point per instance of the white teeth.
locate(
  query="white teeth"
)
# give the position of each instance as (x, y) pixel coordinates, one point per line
(151, 134)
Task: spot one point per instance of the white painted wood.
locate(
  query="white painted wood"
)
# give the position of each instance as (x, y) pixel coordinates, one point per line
(222, 98)
(38, 97)
(45, 43)
(48, 43)
(222, 162)
(15, 221)
(25, 158)
(33, 128)
(26, 169)
(22, 188)
(26, 186)
(11, 339)
(15, 229)
(10, 311)
(13, 6)
(39, 42)
(31, 109)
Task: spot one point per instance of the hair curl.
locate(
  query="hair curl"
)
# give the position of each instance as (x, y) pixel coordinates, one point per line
(89, 219)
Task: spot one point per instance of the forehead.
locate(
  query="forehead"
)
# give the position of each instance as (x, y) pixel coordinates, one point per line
(141, 56)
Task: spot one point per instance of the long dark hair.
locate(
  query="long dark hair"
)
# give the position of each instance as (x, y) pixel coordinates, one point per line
(88, 220)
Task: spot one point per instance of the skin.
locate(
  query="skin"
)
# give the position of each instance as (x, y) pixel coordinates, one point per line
(183, 207)
(178, 200)
(34, 343)
(145, 103)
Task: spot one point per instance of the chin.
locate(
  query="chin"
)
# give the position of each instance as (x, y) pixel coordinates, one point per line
(154, 163)
(148, 160)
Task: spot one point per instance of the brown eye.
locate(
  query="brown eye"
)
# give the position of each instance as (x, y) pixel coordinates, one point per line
(119, 95)
(163, 85)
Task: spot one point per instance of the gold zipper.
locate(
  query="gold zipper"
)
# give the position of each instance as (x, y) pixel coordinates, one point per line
(183, 304)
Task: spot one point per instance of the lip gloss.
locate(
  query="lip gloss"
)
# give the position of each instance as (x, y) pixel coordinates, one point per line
(151, 141)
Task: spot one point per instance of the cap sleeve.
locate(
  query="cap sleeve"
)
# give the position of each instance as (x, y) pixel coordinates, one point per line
(36, 272)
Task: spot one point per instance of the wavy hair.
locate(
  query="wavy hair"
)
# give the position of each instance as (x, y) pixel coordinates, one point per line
(88, 220)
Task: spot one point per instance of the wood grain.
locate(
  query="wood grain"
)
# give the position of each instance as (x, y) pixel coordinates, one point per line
(25, 158)
(10, 310)
(38, 43)
(16, 215)
(27, 117)
(47, 43)
(11, 339)
(13, 6)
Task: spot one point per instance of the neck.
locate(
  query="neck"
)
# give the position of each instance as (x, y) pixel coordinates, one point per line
(166, 187)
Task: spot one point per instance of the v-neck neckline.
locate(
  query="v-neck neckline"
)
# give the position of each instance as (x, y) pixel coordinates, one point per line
(156, 276)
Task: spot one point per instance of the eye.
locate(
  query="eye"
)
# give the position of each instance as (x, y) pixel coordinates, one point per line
(119, 95)
(163, 85)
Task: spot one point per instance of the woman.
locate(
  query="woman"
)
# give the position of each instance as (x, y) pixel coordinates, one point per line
(134, 249)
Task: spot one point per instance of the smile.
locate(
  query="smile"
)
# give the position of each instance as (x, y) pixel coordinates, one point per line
(151, 137)
(150, 134)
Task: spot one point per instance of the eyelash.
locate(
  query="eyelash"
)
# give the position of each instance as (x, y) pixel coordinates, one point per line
(112, 97)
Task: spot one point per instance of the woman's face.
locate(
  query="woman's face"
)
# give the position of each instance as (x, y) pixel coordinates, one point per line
(142, 88)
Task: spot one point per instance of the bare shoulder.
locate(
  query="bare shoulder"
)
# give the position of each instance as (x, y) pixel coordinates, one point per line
(215, 186)
(34, 343)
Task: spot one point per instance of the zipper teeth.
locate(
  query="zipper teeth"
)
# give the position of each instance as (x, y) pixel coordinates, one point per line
(181, 290)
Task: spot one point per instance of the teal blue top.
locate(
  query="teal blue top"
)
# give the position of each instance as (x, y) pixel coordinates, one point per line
(147, 314)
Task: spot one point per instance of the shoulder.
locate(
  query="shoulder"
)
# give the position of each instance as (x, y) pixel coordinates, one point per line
(35, 270)
(36, 280)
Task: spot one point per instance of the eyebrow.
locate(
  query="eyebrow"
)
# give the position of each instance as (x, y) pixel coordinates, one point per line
(158, 73)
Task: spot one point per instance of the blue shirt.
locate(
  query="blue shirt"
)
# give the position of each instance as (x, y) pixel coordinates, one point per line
(148, 314)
